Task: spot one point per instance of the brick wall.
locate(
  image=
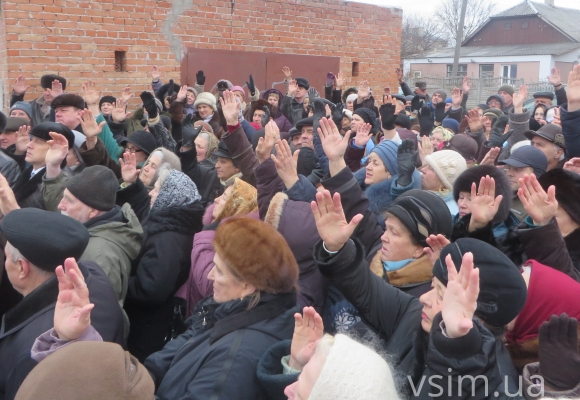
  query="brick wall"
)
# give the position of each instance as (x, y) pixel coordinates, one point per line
(77, 39)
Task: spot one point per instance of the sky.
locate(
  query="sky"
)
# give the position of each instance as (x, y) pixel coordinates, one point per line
(427, 7)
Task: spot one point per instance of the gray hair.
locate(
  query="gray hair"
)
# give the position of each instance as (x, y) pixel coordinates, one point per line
(16, 255)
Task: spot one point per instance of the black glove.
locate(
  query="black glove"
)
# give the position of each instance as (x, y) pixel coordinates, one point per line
(501, 123)
(388, 117)
(188, 131)
(200, 78)
(406, 160)
(417, 103)
(426, 120)
(496, 136)
(149, 104)
(558, 352)
(266, 116)
(337, 115)
(439, 111)
(313, 93)
(251, 86)
(170, 90)
(319, 111)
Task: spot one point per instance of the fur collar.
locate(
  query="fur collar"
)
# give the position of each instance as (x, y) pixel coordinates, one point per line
(415, 273)
(183, 219)
(275, 209)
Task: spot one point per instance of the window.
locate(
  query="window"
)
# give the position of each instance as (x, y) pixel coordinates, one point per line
(416, 74)
(355, 68)
(486, 70)
(509, 73)
(507, 26)
(461, 70)
(524, 25)
(120, 61)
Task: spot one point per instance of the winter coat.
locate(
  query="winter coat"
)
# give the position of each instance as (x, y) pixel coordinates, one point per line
(571, 130)
(292, 109)
(98, 155)
(270, 371)
(28, 191)
(218, 355)
(9, 168)
(34, 315)
(161, 134)
(137, 196)
(205, 179)
(38, 116)
(520, 123)
(242, 153)
(158, 271)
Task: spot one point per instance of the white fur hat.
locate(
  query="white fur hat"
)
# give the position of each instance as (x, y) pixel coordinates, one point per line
(207, 99)
(448, 165)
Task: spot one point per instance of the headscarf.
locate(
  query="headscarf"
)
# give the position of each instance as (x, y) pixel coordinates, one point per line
(243, 200)
(447, 134)
(177, 190)
(212, 142)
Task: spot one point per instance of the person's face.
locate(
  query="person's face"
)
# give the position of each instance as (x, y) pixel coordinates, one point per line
(356, 122)
(436, 98)
(350, 105)
(220, 202)
(190, 98)
(544, 101)
(507, 98)
(68, 116)
(447, 106)
(397, 242)
(204, 110)
(20, 114)
(226, 286)
(154, 193)
(167, 102)
(566, 224)
(71, 158)
(421, 91)
(550, 150)
(345, 123)
(258, 116)
(47, 94)
(494, 103)
(480, 112)
(36, 152)
(106, 109)
(225, 168)
(296, 141)
(273, 100)
(429, 179)
(200, 148)
(74, 208)
(306, 103)
(464, 203)
(436, 138)
(375, 170)
(306, 137)
(300, 92)
(302, 388)
(432, 303)
(240, 96)
(487, 123)
(539, 114)
(140, 155)
(7, 138)
(515, 173)
(149, 169)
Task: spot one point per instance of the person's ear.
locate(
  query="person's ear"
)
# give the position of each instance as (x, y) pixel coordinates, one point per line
(418, 252)
(23, 268)
(248, 289)
(93, 213)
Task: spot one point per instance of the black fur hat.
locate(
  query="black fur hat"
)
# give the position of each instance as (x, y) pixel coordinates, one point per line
(502, 186)
(46, 81)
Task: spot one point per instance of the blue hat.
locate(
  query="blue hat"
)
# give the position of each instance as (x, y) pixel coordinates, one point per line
(528, 156)
(387, 151)
(451, 124)
(448, 100)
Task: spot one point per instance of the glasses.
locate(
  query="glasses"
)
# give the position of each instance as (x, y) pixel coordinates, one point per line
(133, 150)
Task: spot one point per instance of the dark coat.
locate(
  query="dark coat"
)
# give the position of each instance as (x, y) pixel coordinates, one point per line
(161, 267)
(571, 130)
(242, 154)
(292, 109)
(216, 358)
(270, 373)
(9, 168)
(34, 315)
(206, 180)
(137, 196)
(28, 191)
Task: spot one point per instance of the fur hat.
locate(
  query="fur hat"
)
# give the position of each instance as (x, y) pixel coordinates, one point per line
(464, 145)
(448, 165)
(167, 90)
(502, 186)
(259, 105)
(46, 81)
(68, 100)
(257, 253)
(206, 98)
(567, 190)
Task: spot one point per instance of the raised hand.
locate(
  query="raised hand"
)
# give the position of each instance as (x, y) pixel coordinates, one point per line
(333, 144)
(557, 121)
(266, 143)
(251, 86)
(7, 199)
(20, 87)
(57, 89)
(292, 87)
(406, 161)
(573, 165)
(330, 79)
(465, 86)
(90, 93)
(287, 72)
(474, 120)
(399, 73)
(484, 204)
(89, 124)
(425, 148)
(363, 135)
(22, 139)
(338, 81)
(573, 89)
(266, 117)
(57, 149)
(436, 244)
(200, 78)
(456, 98)
(119, 113)
(155, 74)
(313, 93)
(331, 223)
(388, 114)
(460, 297)
(72, 313)
(363, 90)
(286, 163)
(230, 108)
(182, 93)
(126, 94)
(554, 77)
(129, 171)
(539, 205)
(308, 329)
(519, 98)
(149, 104)
(491, 156)
(426, 120)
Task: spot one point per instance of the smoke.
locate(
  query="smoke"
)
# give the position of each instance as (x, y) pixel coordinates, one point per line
(178, 7)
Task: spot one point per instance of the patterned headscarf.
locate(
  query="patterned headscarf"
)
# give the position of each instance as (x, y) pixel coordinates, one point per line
(243, 200)
(177, 190)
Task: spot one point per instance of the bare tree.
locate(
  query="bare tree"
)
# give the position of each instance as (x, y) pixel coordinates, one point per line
(420, 35)
(448, 12)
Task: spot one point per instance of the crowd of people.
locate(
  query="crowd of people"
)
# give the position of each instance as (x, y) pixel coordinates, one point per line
(286, 244)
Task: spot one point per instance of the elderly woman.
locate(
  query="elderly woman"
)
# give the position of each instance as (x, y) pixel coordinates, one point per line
(206, 144)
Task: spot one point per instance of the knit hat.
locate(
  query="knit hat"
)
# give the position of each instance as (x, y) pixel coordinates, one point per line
(68, 100)
(353, 371)
(366, 114)
(96, 187)
(387, 151)
(257, 253)
(207, 99)
(423, 213)
(507, 88)
(142, 139)
(46, 81)
(42, 131)
(177, 190)
(351, 97)
(527, 156)
(496, 97)
(13, 124)
(464, 145)
(238, 89)
(448, 165)
(88, 370)
(502, 290)
(107, 99)
(451, 124)
(567, 190)
(192, 90)
(23, 106)
(242, 201)
(302, 82)
(502, 186)
(449, 100)
(347, 113)
(45, 238)
(441, 93)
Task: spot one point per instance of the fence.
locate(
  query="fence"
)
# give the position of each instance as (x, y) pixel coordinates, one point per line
(481, 88)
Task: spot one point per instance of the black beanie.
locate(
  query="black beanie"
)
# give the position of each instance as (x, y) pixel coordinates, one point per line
(366, 114)
(567, 190)
(423, 213)
(107, 99)
(96, 187)
(502, 290)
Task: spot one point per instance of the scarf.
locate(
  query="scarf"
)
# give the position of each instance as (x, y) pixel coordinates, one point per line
(231, 179)
(208, 119)
(396, 265)
(243, 200)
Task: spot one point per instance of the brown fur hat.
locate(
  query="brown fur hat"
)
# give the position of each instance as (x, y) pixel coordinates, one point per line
(259, 105)
(257, 253)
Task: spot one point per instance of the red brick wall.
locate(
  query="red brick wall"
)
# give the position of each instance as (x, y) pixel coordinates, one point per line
(77, 39)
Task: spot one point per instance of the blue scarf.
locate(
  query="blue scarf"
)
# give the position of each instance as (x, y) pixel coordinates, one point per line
(396, 265)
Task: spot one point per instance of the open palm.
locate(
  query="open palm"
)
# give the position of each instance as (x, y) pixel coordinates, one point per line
(308, 329)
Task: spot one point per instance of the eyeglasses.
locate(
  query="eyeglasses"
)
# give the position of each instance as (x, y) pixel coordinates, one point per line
(133, 150)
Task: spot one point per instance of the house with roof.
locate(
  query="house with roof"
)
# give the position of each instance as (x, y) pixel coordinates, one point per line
(523, 42)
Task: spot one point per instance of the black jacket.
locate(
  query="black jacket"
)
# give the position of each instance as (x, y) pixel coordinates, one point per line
(161, 267)
(138, 197)
(216, 358)
(34, 315)
(28, 191)
(206, 180)
(9, 168)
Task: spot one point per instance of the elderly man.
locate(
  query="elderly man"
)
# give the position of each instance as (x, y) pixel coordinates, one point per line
(53, 86)
(37, 242)
(550, 140)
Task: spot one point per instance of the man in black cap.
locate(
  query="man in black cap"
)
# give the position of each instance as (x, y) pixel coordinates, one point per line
(292, 106)
(550, 140)
(53, 86)
(68, 110)
(303, 136)
(543, 98)
(523, 161)
(225, 166)
(37, 242)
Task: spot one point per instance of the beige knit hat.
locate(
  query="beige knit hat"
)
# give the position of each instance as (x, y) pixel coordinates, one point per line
(448, 165)
(207, 99)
